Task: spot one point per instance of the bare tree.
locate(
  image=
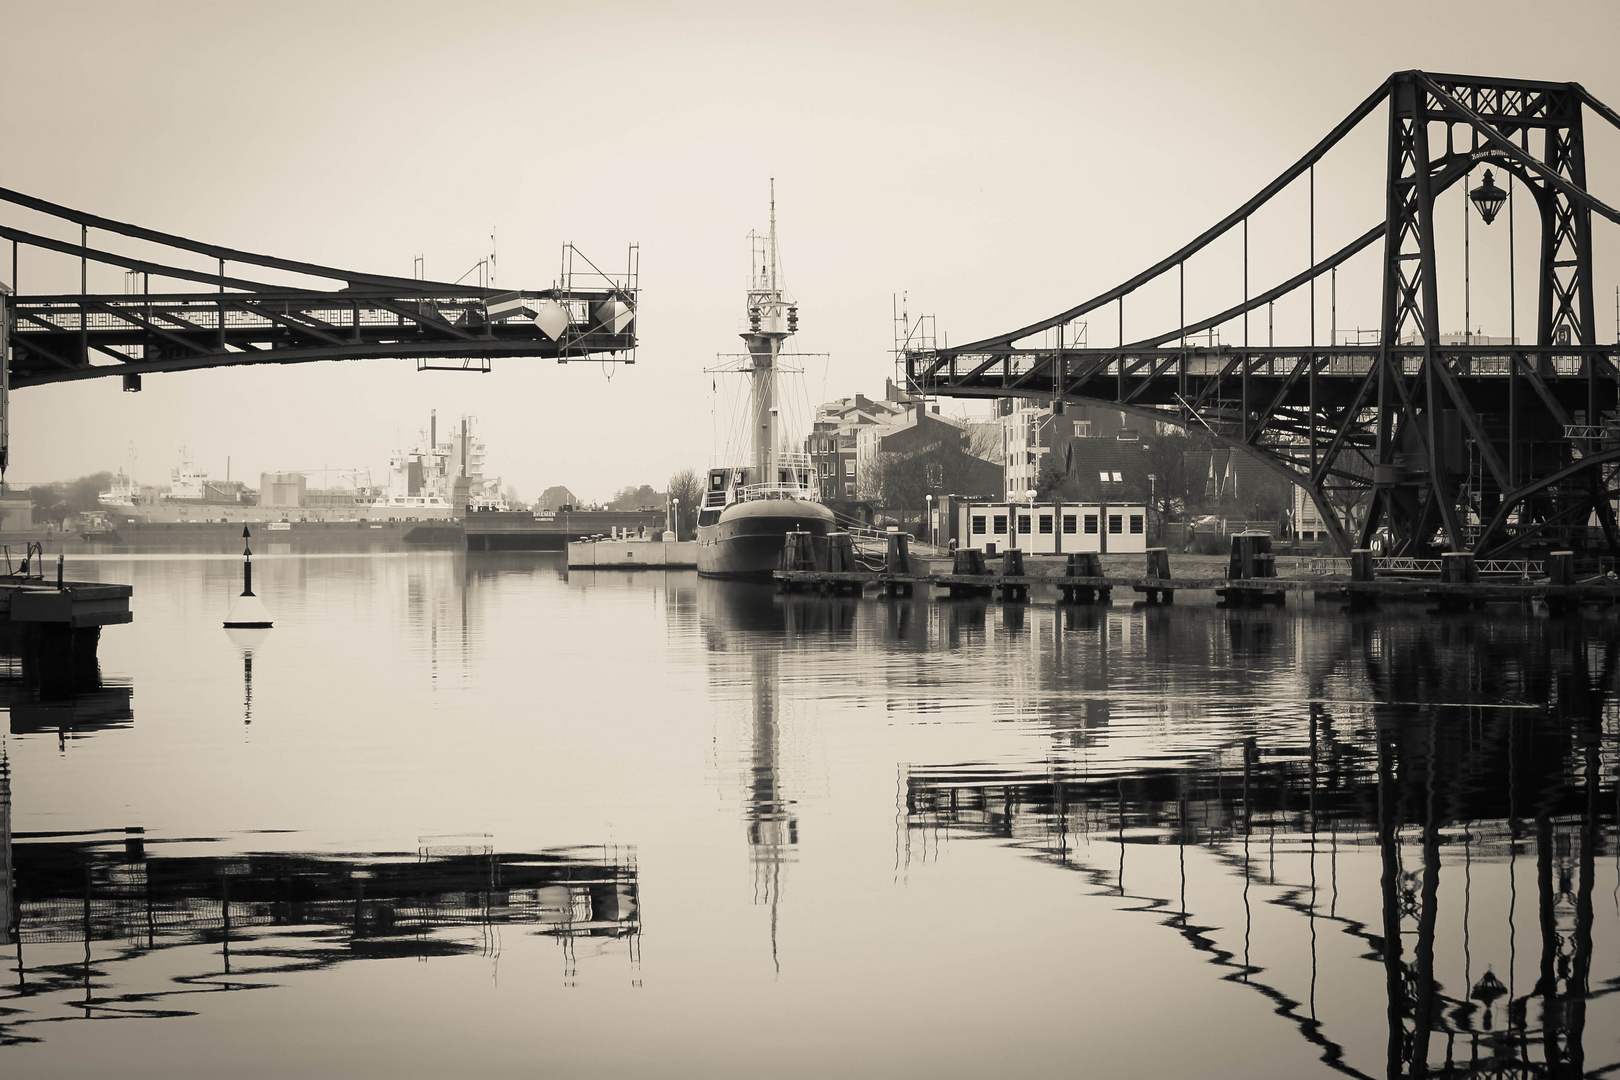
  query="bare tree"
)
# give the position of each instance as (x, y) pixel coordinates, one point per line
(686, 487)
(984, 441)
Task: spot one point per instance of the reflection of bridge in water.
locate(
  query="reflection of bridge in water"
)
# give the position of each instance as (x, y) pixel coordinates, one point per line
(123, 897)
(1483, 825)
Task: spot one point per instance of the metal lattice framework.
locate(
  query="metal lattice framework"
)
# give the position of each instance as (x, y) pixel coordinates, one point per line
(1485, 448)
(237, 319)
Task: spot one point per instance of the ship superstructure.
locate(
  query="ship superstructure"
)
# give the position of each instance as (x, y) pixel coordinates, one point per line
(437, 478)
(749, 506)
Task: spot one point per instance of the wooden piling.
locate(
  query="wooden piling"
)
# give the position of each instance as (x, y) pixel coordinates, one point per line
(1361, 573)
(1012, 566)
(841, 553)
(1251, 560)
(1458, 568)
(968, 562)
(898, 558)
(1158, 568)
(1086, 564)
(1560, 573)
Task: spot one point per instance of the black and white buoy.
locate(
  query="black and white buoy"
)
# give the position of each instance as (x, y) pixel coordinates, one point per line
(248, 612)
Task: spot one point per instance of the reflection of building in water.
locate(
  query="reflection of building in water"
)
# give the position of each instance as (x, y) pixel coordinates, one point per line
(1482, 825)
(125, 900)
(735, 616)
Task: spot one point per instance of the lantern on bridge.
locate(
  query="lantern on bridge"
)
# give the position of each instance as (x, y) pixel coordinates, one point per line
(1489, 198)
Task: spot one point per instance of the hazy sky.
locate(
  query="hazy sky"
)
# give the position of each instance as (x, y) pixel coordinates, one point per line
(997, 161)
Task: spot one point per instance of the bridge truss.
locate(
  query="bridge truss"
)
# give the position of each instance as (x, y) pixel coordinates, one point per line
(1494, 449)
(319, 313)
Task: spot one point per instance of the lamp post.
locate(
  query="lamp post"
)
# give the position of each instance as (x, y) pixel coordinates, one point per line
(675, 517)
(930, 501)
(1488, 198)
(1153, 496)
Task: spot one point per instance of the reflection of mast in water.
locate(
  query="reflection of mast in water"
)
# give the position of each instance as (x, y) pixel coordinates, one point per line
(248, 640)
(8, 907)
(773, 831)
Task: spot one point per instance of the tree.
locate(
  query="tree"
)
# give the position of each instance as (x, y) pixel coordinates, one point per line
(57, 502)
(687, 487)
(1170, 489)
(984, 441)
(1049, 479)
(631, 497)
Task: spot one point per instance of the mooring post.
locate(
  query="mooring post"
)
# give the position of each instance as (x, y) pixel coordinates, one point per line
(1361, 572)
(898, 558)
(1012, 566)
(1158, 569)
(1459, 568)
(840, 552)
(967, 562)
(1560, 575)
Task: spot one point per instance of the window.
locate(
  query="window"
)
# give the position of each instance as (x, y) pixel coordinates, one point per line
(849, 466)
(1136, 524)
(1118, 479)
(1091, 524)
(1116, 524)
(849, 491)
(1000, 524)
(978, 525)
(1023, 524)
(1069, 522)
(1103, 477)
(1046, 524)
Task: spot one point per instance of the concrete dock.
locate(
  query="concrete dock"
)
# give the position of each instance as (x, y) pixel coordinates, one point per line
(53, 626)
(633, 555)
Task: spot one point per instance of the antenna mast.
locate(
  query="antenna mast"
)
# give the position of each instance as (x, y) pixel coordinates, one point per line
(773, 234)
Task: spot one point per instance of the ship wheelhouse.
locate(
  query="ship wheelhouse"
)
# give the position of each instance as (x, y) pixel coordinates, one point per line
(729, 486)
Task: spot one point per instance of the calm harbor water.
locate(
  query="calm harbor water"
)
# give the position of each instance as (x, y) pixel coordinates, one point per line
(475, 815)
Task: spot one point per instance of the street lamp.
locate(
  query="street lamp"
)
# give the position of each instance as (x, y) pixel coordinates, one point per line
(675, 517)
(930, 500)
(1489, 198)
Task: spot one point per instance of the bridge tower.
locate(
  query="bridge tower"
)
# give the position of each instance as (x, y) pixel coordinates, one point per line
(1428, 422)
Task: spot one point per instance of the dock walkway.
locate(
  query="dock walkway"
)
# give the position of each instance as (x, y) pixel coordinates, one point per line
(1250, 580)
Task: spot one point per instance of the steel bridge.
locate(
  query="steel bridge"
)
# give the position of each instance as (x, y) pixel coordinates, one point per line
(228, 316)
(1493, 449)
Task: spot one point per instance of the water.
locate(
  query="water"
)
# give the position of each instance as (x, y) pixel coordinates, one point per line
(473, 815)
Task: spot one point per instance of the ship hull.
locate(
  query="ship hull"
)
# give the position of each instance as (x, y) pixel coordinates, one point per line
(746, 542)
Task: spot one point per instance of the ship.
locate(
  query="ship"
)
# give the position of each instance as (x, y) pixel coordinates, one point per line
(436, 480)
(749, 507)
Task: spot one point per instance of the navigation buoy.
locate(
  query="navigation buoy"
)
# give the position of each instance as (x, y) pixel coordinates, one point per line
(248, 612)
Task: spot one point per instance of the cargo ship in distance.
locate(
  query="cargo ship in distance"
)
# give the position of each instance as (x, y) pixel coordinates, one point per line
(749, 507)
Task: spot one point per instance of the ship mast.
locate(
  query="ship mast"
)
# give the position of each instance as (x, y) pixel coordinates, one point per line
(771, 321)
